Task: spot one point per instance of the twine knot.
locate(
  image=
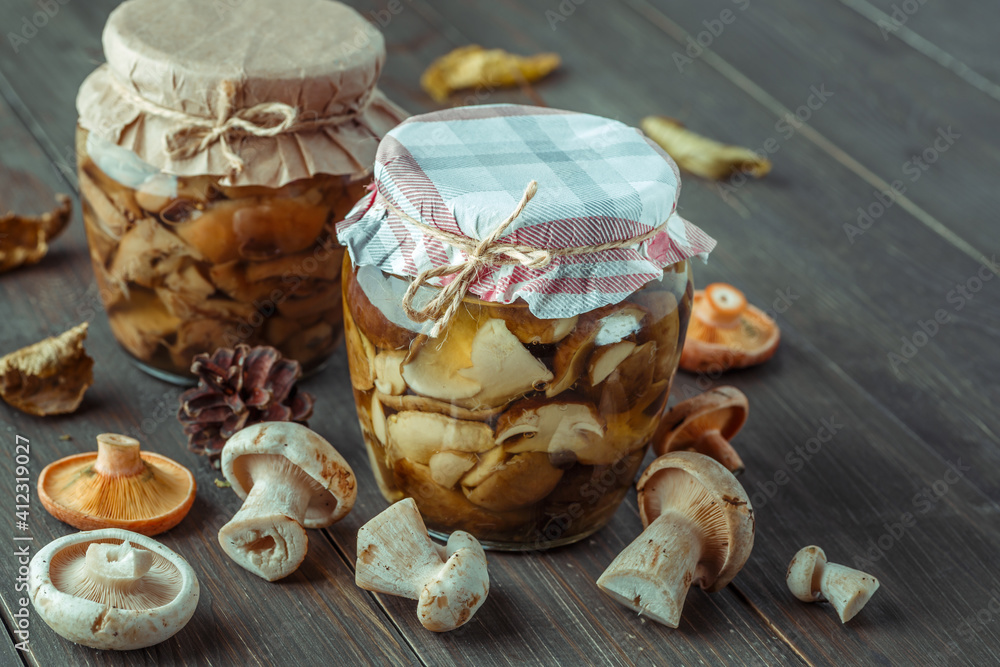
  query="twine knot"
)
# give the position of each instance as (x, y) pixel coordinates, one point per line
(489, 252)
(269, 119)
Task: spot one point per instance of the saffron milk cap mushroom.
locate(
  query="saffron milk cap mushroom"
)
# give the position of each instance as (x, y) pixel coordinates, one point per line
(699, 530)
(112, 589)
(727, 332)
(118, 486)
(811, 578)
(706, 424)
(290, 479)
(397, 557)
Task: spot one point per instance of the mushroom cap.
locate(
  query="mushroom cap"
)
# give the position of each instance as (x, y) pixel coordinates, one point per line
(306, 450)
(726, 332)
(729, 514)
(804, 573)
(64, 595)
(151, 499)
(723, 409)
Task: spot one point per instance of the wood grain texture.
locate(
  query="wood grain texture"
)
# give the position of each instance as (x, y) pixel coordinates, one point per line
(852, 303)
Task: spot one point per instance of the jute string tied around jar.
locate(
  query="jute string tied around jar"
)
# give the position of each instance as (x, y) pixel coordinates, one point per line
(489, 252)
(267, 119)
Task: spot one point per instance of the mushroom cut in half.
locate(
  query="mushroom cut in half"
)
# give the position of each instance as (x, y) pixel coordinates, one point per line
(706, 424)
(727, 332)
(290, 479)
(118, 486)
(699, 530)
(397, 557)
(112, 589)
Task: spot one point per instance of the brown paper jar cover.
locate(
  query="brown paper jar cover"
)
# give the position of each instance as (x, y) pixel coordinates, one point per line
(195, 57)
(230, 240)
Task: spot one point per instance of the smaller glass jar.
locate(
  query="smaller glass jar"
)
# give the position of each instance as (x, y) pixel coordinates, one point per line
(523, 431)
(214, 160)
(516, 297)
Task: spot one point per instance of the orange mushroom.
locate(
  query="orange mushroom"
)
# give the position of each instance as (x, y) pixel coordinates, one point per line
(117, 487)
(705, 424)
(726, 332)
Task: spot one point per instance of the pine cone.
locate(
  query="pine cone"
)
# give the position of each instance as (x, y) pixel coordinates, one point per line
(236, 388)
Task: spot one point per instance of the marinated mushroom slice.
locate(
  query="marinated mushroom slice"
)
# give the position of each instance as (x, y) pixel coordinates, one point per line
(522, 481)
(529, 329)
(424, 404)
(396, 557)
(705, 424)
(310, 344)
(370, 320)
(699, 530)
(604, 326)
(141, 323)
(626, 385)
(605, 360)
(360, 355)
(202, 336)
(489, 463)
(107, 217)
(112, 589)
(417, 436)
(290, 479)
(276, 227)
(448, 467)
(117, 487)
(664, 329)
(305, 264)
(211, 234)
(448, 509)
(565, 430)
(309, 299)
(376, 415)
(726, 332)
(389, 372)
(502, 366)
(141, 251)
(811, 578)
(49, 377)
(433, 370)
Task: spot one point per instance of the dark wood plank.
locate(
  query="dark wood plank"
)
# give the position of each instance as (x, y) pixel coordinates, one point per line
(793, 242)
(957, 35)
(888, 102)
(314, 613)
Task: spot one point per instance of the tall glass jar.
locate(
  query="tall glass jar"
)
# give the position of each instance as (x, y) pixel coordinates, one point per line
(524, 431)
(214, 160)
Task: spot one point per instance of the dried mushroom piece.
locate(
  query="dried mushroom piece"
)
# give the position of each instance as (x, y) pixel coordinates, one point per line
(49, 377)
(473, 66)
(25, 239)
(700, 155)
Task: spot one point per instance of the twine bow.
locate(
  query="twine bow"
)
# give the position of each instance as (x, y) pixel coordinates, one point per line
(268, 119)
(489, 252)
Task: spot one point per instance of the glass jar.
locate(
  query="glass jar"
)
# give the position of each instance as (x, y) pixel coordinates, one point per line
(214, 159)
(186, 265)
(525, 432)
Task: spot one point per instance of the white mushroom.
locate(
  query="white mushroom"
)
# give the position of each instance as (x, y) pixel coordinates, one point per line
(388, 373)
(699, 530)
(397, 557)
(290, 479)
(811, 578)
(112, 589)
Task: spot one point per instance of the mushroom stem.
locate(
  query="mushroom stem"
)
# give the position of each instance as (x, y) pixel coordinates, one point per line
(266, 536)
(846, 589)
(653, 574)
(118, 456)
(117, 565)
(714, 444)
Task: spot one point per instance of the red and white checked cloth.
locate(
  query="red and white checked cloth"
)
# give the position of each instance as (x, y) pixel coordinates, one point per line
(464, 170)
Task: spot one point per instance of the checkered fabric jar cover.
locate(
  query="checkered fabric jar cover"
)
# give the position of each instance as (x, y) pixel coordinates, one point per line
(464, 170)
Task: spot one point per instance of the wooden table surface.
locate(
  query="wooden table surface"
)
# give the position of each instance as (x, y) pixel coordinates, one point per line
(844, 440)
